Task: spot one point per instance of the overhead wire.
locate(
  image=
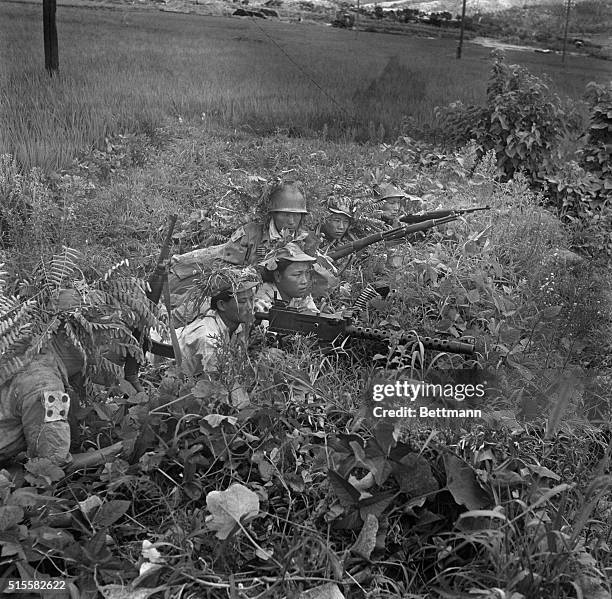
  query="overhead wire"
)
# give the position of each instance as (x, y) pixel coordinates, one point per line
(308, 75)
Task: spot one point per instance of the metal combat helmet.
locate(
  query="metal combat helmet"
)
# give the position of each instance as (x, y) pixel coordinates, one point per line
(288, 197)
(386, 191)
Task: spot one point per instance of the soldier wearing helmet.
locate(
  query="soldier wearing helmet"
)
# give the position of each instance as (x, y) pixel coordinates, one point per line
(286, 210)
(391, 201)
(335, 227)
(284, 207)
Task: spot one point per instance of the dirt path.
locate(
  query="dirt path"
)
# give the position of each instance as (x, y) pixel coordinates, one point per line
(488, 42)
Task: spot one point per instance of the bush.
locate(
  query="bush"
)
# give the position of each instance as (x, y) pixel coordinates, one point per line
(597, 152)
(523, 121)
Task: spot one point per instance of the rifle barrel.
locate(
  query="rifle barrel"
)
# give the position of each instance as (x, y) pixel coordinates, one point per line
(157, 275)
(417, 218)
(392, 234)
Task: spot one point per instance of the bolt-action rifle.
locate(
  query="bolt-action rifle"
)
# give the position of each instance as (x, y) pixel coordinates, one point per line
(424, 216)
(156, 284)
(389, 235)
(327, 327)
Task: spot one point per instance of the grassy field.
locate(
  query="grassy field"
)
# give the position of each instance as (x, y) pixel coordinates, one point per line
(127, 71)
(517, 500)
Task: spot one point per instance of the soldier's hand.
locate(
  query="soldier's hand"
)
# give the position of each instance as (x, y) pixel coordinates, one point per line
(262, 304)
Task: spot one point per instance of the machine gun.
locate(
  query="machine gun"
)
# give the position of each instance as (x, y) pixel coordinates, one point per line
(156, 284)
(327, 327)
(425, 216)
(389, 235)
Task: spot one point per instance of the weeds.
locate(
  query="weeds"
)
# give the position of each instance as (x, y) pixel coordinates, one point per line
(517, 501)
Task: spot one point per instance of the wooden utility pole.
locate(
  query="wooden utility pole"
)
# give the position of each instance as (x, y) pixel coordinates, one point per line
(567, 16)
(50, 37)
(460, 46)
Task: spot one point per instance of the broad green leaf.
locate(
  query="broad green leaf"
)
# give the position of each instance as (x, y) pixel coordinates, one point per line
(543, 472)
(44, 468)
(229, 507)
(376, 504)
(414, 476)
(110, 512)
(385, 434)
(346, 493)
(55, 538)
(9, 516)
(91, 503)
(461, 482)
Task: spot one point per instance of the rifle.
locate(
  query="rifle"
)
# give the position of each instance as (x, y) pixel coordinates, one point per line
(327, 328)
(423, 216)
(389, 235)
(156, 284)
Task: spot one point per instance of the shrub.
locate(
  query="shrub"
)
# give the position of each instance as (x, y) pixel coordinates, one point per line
(523, 121)
(597, 152)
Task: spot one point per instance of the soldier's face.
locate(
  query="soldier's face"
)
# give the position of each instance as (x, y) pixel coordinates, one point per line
(336, 226)
(295, 280)
(239, 308)
(287, 220)
(391, 207)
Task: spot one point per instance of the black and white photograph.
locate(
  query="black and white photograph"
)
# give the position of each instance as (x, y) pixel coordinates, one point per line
(306, 299)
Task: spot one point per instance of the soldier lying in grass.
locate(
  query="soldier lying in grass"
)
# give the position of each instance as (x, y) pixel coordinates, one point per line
(225, 297)
(35, 406)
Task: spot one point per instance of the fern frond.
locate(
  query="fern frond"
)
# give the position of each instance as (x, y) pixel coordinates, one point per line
(43, 338)
(103, 365)
(113, 269)
(75, 341)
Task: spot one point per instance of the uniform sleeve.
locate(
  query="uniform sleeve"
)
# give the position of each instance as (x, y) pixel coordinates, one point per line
(44, 407)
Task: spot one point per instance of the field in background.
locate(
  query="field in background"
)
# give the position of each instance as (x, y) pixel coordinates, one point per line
(129, 71)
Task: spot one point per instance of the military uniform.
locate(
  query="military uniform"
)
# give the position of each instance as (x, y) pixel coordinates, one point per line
(200, 342)
(34, 409)
(246, 246)
(268, 293)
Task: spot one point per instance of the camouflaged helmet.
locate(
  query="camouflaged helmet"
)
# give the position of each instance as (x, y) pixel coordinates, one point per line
(290, 252)
(341, 205)
(287, 197)
(385, 191)
(223, 278)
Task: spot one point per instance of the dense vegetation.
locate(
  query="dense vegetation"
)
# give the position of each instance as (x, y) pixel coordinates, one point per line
(301, 490)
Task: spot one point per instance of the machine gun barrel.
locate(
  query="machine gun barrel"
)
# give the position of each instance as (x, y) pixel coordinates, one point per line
(424, 216)
(327, 327)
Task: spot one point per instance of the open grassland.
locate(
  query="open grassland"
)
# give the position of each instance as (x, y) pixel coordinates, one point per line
(130, 70)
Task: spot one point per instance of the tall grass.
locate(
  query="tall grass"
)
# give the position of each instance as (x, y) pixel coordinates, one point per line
(129, 71)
